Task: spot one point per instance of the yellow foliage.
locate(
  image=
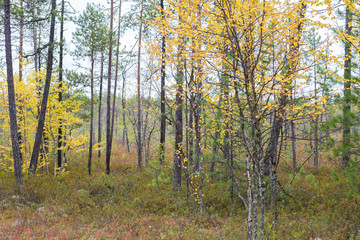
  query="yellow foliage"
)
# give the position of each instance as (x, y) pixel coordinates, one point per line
(28, 99)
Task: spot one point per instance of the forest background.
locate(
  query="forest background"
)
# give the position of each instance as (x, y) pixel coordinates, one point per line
(186, 119)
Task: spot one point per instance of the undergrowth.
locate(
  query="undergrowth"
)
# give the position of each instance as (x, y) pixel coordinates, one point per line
(132, 204)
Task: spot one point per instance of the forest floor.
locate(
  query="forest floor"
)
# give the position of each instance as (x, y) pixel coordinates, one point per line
(132, 204)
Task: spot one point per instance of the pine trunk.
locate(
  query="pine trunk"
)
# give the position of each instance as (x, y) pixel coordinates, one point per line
(60, 130)
(91, 111)
(100, 99)
(347, 89)
(11, 96)
(108, 99)
(162, 107)
(41, 120)
(116, 80)
(139, 143)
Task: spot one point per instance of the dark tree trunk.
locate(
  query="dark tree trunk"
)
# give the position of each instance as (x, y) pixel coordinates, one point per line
(108, 100)
(197, 143)
(347, 89)
(21, 43)
(191, 134)
(123, 103)
(60, 130)
(100, 99)
(91, 111)
(35, 44)
(293, 144)
(214, 152)
(226, 145)
(271, 150)
(11, 96)
(186, 163)
(163, 116)
(231, 164)
(41, 122)
(316, 143)
(116, 79)
(178, 133)
(227, 141)
(191, 119)
(316, 127)
(145, 131)
(178, 127)
(293, 131)
(226, 119)
(197, 113)
(139, 96)
(178, 116)
(272, 147)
